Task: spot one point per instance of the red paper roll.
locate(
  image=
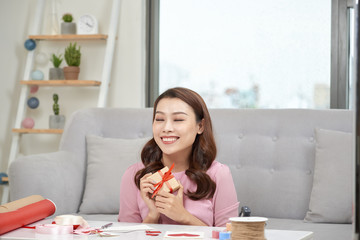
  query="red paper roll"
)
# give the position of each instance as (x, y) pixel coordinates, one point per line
(23, 216)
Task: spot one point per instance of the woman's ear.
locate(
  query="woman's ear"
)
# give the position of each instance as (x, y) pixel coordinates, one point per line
(201, 126)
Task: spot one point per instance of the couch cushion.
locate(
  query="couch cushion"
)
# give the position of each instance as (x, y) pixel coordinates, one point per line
(107, 160)
(331, 195)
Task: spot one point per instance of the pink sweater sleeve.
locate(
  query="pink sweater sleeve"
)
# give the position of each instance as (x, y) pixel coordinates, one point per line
(129, 210)
(225, 200)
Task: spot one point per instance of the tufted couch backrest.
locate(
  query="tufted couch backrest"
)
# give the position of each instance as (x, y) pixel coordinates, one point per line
(271, 153)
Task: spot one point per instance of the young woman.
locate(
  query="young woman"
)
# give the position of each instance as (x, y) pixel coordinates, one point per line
(182, 134)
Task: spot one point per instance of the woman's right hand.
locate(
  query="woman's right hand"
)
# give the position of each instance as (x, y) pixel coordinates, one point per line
(146, 190)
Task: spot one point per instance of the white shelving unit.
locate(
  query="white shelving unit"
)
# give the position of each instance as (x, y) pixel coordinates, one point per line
(103, 84)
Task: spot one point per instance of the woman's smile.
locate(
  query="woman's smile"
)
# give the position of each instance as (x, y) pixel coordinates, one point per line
(169, 140)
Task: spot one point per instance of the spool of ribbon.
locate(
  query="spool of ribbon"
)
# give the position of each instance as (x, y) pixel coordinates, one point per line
(224, 235)
(248, 228)
(74, 221)
(165, 177)
(54, 229)
(215, 234)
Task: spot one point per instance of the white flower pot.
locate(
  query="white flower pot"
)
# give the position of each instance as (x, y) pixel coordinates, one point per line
(56, 121)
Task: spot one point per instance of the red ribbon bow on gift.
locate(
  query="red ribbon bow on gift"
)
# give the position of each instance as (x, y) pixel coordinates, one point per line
(166, 177)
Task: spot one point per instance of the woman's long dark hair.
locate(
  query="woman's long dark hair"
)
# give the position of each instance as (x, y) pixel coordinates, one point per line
(203, 150)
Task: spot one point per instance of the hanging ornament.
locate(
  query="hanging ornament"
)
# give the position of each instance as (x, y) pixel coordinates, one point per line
(34, 88)
(30, 44)
(37, 75)
(2, 176)
(41, 58)
(33, 102)
(28, 123)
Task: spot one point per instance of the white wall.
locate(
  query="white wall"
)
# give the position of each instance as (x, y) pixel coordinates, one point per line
(127, 86)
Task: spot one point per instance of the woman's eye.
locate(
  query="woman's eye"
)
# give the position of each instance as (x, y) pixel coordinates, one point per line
(159, 119)
(179, 120)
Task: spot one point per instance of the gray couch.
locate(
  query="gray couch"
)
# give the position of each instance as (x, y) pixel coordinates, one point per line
(271, 154)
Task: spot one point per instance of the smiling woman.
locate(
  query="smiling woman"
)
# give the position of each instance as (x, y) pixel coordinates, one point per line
(183, 136)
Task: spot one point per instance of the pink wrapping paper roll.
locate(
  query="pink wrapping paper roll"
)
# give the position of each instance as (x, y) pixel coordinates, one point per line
(23, 216)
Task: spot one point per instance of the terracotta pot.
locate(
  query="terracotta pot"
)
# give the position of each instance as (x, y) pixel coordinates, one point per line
(71, 73)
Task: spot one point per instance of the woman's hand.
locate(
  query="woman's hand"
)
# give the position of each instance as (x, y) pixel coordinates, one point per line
(170, 205)
(146, 189)
(173, 207)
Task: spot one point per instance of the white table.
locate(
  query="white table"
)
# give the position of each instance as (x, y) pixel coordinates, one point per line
(24, 233)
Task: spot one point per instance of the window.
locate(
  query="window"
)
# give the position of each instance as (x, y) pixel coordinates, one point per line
(250, 54)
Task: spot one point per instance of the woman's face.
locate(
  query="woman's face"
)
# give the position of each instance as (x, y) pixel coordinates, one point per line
(175, 128)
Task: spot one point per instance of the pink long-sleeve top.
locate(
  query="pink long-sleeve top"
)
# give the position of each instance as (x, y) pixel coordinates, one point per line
(213, 212)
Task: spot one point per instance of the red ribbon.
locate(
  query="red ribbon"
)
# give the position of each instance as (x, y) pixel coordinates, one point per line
(183, 235)
(166, 177)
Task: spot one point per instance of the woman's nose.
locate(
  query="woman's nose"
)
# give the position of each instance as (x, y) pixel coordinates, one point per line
(168, 126)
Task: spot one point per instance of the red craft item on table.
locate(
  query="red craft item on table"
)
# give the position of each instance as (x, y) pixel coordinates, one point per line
(183, 235)
(23, 216)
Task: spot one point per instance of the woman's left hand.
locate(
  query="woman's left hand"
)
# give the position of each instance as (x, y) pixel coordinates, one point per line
(170, 205)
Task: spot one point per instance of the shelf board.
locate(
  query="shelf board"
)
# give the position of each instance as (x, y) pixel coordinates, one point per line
(70, 37)
(28, 130)
(73, 83)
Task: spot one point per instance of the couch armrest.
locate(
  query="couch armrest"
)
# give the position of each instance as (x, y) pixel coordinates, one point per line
(56, 176)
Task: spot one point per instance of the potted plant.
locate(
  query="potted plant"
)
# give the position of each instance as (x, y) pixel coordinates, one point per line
(56, 121)
(72, 58)
(56, 73)
(68, 27)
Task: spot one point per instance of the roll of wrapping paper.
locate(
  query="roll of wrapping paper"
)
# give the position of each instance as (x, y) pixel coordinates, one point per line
(23, 216)
(14, 205)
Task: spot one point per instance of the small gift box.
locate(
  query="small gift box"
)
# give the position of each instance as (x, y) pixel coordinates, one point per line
(164, 180)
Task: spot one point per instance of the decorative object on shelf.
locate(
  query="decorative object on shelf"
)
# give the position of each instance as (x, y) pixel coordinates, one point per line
(88, 24)
(30, 44)
(37, 75)
(28, 123)
(68, 27)
(72, 58)
(33, 102)
(34, 88)
(56, 121)
(56, 73)
(41, 58)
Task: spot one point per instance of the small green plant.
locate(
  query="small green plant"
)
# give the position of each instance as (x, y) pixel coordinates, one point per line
(56, 107)
(72, 55)
(56, 60)
(67, 17)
